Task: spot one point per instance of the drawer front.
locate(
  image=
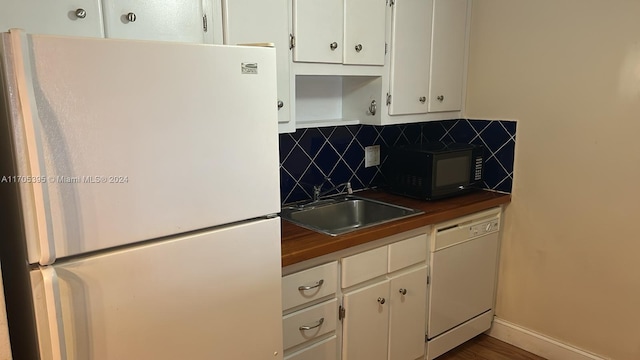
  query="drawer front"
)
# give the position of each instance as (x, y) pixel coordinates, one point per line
(308, 285)
(364, 266)
(318, 320)
(407, 252)
(324, 350)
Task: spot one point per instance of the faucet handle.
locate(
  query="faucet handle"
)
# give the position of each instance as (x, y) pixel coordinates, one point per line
(317, 189)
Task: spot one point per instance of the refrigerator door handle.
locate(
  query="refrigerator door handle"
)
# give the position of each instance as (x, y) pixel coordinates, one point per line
(54, 312)
(29, 112)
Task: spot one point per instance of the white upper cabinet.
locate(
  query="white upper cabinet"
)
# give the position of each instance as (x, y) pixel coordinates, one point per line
(426, 78)
(410, 56)
(318, 30)
(263, 21)
(339, 31)
(60, 17)
(195, 21)
(448, 54)
(185, 21)
(364, 32)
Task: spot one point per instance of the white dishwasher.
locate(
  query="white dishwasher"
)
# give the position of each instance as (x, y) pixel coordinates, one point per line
(464, 256)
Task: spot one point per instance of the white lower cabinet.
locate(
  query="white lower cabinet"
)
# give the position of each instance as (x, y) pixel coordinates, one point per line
(310, 323)
(310, 313)
(309, 286)
(408, 299)
(377, 313)
(385, 301)
(366, 322)
(324, 350)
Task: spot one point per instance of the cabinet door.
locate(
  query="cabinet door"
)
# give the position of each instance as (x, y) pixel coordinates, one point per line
(410, 56)
(364, 30)
(447, 61)
(317, 25)
(60, 17)
(324, 350)
(408, 303)
(366, 323)
(260, 21)
(183, 21)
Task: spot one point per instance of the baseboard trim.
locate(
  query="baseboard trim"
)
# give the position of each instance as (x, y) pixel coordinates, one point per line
(535, 343)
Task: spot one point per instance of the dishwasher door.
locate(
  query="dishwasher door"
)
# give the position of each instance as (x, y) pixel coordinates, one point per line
(463, 273)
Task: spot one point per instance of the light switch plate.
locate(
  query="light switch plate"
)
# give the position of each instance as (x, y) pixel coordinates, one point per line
(371, 156)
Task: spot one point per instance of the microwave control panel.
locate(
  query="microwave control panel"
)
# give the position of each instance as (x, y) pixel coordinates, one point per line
(478, 169)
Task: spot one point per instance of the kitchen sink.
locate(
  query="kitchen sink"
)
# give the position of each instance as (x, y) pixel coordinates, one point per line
(343, 214)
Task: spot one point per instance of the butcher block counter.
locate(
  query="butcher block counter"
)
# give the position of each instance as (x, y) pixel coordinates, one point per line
(300, 244)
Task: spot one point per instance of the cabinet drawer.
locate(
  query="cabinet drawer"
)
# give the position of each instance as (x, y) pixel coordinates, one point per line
(324, 350)
(407, 252)
(364, 266)
(308, 285)
(321, 319)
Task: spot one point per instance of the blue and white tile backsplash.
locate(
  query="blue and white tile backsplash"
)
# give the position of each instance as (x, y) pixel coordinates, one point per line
(309, 155)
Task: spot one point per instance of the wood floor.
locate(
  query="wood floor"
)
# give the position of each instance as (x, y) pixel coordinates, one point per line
(484, 347)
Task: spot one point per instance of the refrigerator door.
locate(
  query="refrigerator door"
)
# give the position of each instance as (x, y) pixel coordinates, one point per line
(210, 295)
(118, 141)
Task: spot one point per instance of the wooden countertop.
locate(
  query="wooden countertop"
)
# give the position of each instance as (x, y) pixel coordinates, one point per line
(300, 244)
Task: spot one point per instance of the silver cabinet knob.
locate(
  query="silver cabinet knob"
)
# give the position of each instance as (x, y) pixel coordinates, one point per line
(358, 47)
(381, 300)
(280, 104)
(333, 46)
(132, 17)
(422, 99)
(81, 13)
(403, 291)
(440, 98)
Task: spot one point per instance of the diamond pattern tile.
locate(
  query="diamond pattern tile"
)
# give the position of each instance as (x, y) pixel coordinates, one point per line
(309, 155)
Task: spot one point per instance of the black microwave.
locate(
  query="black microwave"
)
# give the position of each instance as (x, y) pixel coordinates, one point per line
(434, 170)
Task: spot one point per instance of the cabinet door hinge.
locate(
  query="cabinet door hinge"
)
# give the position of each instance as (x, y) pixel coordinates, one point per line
(292, 41)
(386, 48)
(428, 279)
(205, 25)
(388, 99)
(341, 313)
(391, 2)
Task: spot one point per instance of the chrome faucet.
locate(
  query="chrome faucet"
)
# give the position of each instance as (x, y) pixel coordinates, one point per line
(317, 190)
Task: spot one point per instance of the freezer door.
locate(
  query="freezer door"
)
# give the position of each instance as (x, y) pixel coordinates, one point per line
(118, 141)
(211, 295)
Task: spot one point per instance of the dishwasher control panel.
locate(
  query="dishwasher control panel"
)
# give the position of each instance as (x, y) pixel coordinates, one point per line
(484, 228)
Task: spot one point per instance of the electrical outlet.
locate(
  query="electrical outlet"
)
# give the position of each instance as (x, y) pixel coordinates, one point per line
(371, 156)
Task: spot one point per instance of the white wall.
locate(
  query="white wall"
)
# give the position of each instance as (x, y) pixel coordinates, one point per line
(569, 72)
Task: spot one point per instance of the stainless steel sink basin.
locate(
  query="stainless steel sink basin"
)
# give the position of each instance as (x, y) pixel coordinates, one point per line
(344, 214)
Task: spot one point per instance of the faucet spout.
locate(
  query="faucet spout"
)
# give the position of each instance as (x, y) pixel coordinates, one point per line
(317, 193)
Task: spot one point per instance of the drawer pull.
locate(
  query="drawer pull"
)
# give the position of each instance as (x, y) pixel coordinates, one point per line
(318, 284)
(312, 327)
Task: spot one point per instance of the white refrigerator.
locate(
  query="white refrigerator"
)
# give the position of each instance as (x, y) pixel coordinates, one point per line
(142, 184)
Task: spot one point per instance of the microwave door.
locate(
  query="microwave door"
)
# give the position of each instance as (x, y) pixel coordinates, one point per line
(452, 172)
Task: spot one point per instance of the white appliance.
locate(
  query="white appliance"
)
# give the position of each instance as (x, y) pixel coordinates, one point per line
(464, 259)
(143, 182)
